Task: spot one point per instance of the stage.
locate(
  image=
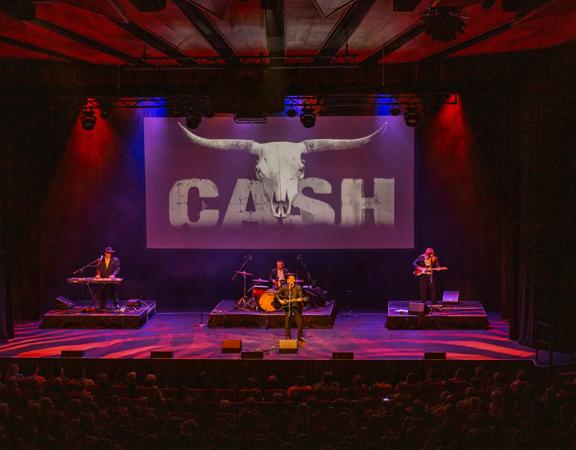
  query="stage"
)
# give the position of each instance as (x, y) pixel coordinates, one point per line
(185, 334)
(224, 315)
(456, 316)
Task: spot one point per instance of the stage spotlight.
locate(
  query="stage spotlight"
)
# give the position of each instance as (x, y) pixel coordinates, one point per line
(308, 118)
(291, 112)
(105, 114)
(88, 119)
(411, 116)
(443, 23)
(395, 110)
(193, 119)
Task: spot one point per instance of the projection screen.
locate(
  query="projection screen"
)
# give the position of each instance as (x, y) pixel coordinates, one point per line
(347, 183)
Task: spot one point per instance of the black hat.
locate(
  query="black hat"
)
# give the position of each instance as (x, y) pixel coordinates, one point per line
(108, 250)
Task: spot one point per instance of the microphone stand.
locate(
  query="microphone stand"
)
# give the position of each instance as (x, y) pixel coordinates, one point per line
(92, 295)
(203, 291)
(247, 259)
(90, 264)
(308, 275)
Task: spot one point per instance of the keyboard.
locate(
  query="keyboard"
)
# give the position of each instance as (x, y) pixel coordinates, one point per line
(94, 280)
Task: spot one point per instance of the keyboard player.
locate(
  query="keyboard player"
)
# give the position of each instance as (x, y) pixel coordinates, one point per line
(108, 267)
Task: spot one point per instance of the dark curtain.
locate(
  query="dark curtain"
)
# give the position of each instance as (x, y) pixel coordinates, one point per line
(545, 229)
(34, 130)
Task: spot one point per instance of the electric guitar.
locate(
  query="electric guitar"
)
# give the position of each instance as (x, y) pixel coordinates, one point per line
(419, 271)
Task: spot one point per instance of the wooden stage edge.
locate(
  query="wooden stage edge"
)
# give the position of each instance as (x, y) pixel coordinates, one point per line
(77, 318)
(464, 315)
(224, 315)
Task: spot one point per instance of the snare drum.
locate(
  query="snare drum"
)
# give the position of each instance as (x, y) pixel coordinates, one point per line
(266, 301)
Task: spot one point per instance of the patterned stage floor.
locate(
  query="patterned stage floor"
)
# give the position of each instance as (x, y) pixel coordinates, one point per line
(365, 334)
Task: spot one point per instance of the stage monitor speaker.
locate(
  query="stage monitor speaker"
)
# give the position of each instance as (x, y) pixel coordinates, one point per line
(161, 354)
(416, 308)
(450, 296)
(63, 303)
(149, 5)
(72, 353)
(342, 355)
(435, 355)
(252, 355)
(287, 346)
(231, 346)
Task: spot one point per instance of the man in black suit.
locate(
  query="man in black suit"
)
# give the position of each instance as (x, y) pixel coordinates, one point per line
(108, 267)
(290, 298)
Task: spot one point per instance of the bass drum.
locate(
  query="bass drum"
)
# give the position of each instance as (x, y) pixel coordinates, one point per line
(267, 301)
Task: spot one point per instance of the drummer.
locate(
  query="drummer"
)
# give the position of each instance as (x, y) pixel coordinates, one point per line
(279, 274)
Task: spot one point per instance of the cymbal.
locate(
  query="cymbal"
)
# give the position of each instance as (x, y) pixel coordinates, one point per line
(244, 274)
(260, 280)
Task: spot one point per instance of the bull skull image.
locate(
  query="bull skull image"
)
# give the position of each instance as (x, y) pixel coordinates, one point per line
(280, 164)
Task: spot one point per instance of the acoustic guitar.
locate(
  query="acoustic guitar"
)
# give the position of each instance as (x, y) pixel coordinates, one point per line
(285, 303)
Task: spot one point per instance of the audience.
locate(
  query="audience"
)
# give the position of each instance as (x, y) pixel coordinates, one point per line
(336, 412)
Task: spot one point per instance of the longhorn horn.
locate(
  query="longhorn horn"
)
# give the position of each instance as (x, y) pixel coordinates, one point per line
(321, 145)
(243, 145)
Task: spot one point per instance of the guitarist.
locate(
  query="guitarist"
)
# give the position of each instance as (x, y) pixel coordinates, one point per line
(290, 298)
(423, 266)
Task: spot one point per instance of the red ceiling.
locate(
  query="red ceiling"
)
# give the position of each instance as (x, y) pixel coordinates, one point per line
(309, 27)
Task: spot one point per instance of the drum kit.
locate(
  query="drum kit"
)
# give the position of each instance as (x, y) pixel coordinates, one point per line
(262, 294)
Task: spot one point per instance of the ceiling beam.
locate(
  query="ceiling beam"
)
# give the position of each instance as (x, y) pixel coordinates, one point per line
(275, 33)
(394, 44)
(526, 10)
(208, 30)
(154, 41)
(84, 40)
(344, 29)
(41, 50)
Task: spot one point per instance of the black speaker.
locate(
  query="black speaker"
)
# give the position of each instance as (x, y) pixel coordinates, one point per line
(417, 308)
(161, 354)
(63, 303)
(149, 5)
(252, 355)
(231, 346)
(435, 355)
(342, 355)
(72, 353)
(317, 296)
